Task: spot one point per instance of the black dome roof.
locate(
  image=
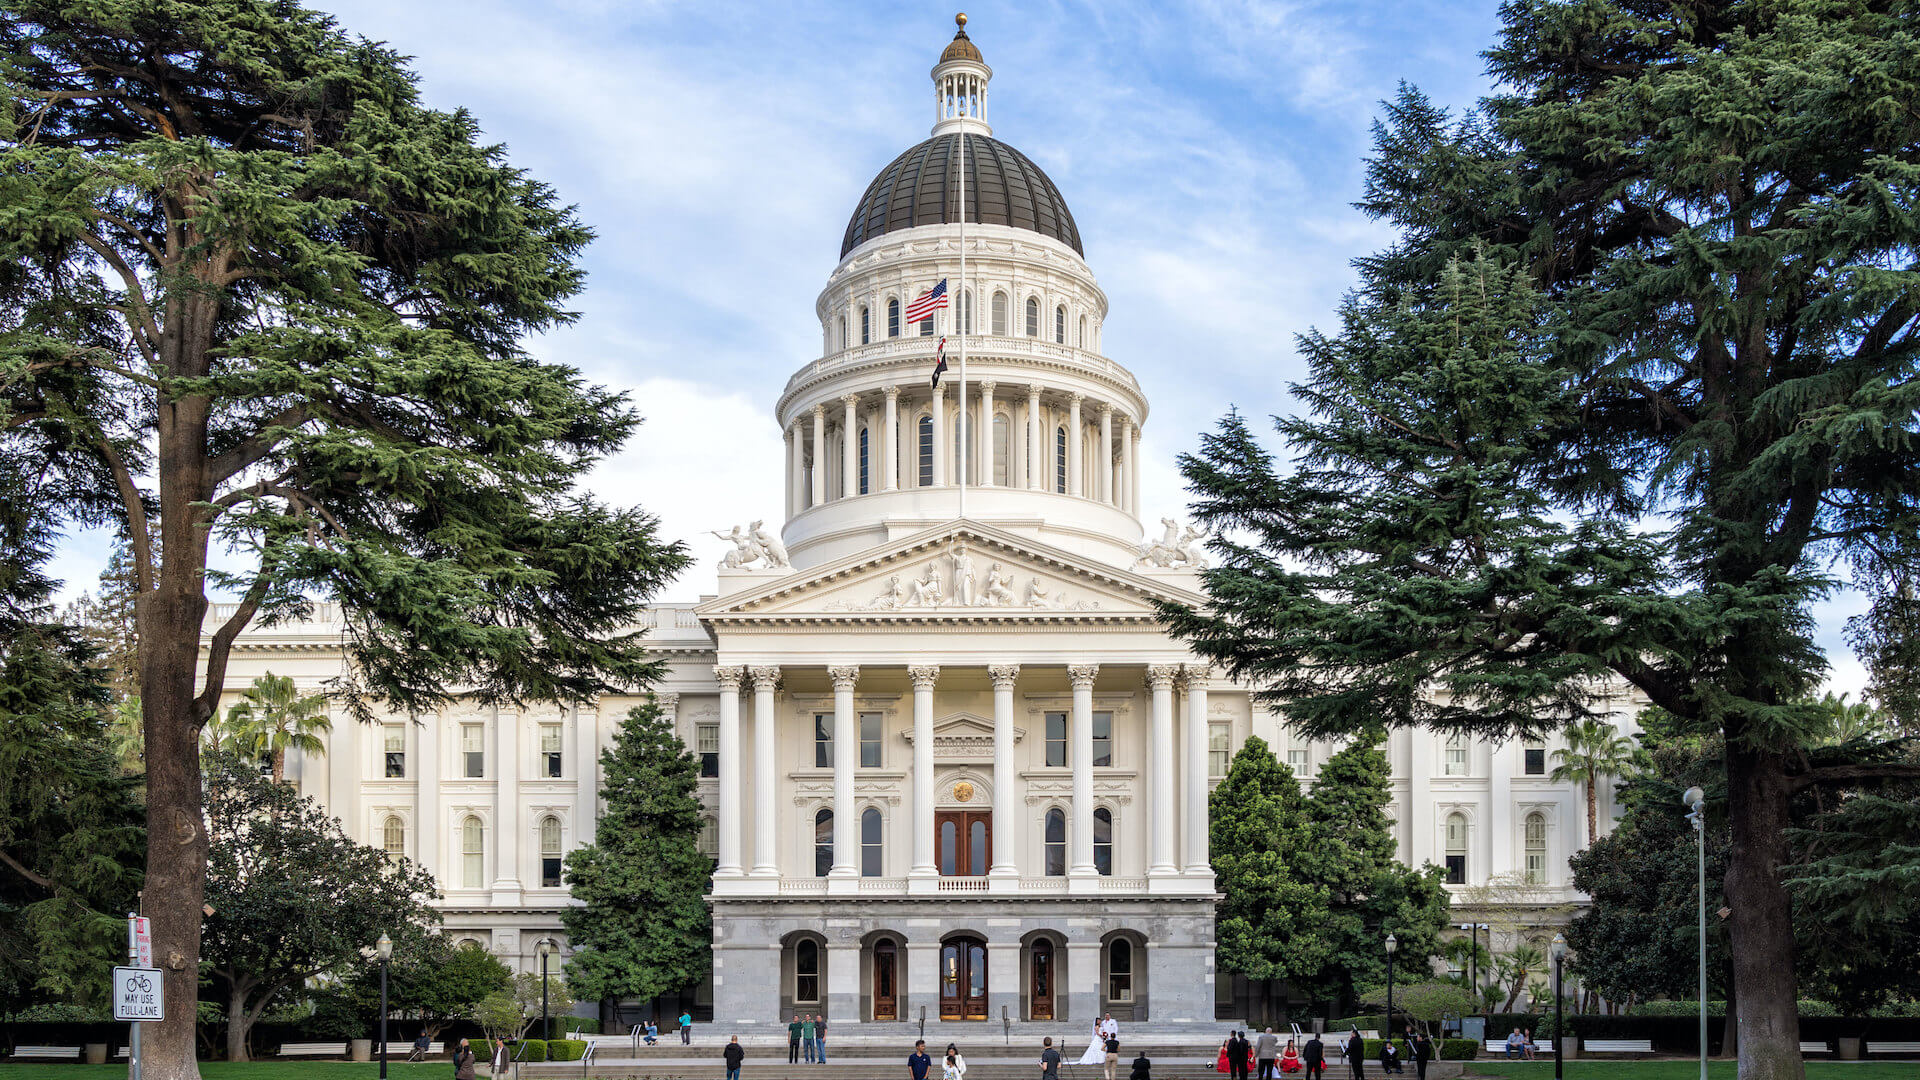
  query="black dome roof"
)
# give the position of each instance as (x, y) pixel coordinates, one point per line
(921, 187)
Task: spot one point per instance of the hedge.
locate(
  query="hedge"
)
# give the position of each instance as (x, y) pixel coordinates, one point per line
(528, 1050)
(566, 1049)
(1375, 1022)
(1459, 1049)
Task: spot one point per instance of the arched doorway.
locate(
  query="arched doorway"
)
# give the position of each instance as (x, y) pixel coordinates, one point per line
(886, 981)
(963, 979)
(1041, 980)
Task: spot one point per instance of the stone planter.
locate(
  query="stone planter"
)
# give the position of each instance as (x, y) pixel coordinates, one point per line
(361, 1050)
(1569, 1047)
(96, 1053)
(1847, 1049)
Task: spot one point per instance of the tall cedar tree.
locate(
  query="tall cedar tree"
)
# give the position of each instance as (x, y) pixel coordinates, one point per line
(1648, 472)
(1351, 855)
(257, 295)
(1268, 921)
(642, 928)
(293, 896)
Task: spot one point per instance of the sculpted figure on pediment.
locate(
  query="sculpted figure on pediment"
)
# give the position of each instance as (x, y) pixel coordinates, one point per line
(999, 591)
(771, 547)
(1177, 548)
(926, 592)
(962, 576)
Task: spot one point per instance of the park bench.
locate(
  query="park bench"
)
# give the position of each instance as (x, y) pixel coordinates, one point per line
(1617, 1046)
(1906, 1048)
(1498, 1047)
(328, 1049)
(46, 1053)
(433, 1050)
(1814, 1048)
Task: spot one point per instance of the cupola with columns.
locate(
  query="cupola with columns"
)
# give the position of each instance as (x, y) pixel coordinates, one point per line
(873, 446)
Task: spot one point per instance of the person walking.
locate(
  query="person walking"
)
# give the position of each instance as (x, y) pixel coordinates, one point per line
(1356, 1051)
(1266, 1048)
(1049, 1060)
(806, 1037)
(1422, 1053)
(463, 1061)
(735, 1054)
(686, 1029)
(918, 1063)
(820, 1038)
(1239, 1052)
(1314, 1055)
(793, 1041)
(1142, 1068)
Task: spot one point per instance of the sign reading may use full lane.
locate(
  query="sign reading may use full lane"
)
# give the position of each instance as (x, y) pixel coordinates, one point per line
(138, 994)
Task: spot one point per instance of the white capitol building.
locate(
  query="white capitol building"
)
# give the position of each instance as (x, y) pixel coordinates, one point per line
(952, 763)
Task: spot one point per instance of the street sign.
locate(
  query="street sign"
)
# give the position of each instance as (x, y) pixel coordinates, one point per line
(140, 940)
(139, 994)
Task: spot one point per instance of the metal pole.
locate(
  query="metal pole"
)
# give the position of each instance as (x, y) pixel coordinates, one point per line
(383, 1018)
(1559, 1019)
(1700, 831)
(965, 104)
(546, 1031)
(133, 1026)
(1389, 996)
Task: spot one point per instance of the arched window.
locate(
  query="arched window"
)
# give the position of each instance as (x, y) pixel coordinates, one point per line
(806, 971)
(1056, 843)
(473, 853)
(966, 313)
(708, 841)
(893, 318)
(550, 852)
(1120, 970)
(1103, 840)
(1536, 848)
(393, 838)
(1033, 317)
(822, 842)
(926, 326)
(865, 454)
(1060, 325)
(1083, 331)
(840, 340)
(1456, 848)
(1000, 313)
(1000, 449)
(866, 326)
(926, 451)
(870, 842)
(1060, 459)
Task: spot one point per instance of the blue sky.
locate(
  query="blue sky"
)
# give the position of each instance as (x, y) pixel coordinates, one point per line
(1210, 152)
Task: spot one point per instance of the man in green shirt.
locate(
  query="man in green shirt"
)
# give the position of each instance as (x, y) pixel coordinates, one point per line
(793, 1040)
(806, 1037)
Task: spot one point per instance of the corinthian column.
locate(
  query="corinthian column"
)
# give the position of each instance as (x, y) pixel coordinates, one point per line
(1073, 443)
(984, 435)
(819, 454)
(1039, 456)
(1198, 861)
(890, 439)
(1006, 806)
(1081, 676)
(766, 839)
(1162, 859)
(729, 679)
(846, 752)
(941, 450)
(1103, 457)
(850, 446)
(1126, 467)
(923, 676)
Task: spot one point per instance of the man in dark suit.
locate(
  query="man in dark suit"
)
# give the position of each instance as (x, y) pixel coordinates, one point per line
(1315, 1055)
(1356, 1051)
(1237, 1050)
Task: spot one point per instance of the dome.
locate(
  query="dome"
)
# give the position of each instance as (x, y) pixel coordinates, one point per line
(920, 187)
(962, 48)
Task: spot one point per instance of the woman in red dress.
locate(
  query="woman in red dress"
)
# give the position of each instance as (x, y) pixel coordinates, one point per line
(1290, 1058)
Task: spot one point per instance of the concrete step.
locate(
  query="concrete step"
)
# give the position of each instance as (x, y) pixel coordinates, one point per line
(980, 1068)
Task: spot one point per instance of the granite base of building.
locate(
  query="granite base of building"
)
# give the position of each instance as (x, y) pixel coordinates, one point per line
(881, 961)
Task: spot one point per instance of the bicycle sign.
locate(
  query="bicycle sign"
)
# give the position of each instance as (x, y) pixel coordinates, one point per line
(139, 994)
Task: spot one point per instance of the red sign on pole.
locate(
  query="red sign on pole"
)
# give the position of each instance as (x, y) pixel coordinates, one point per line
(140, 940)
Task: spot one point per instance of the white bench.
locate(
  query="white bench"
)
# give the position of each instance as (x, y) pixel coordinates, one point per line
(1893, 1048)
(1814, 1048)
(1617, 1046)
(46, 1053)
(336, 1049)
(433, 1050)
(1499, 1046)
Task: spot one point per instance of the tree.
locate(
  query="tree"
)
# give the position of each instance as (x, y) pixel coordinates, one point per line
(272, 717)
(292, 895)
(1633, 384)
(1267, 923)
(641, 927)
(260, 297)
(438, 980)
(1595, 752)
(1428, 1001)
(107, 619)
(507, 1014)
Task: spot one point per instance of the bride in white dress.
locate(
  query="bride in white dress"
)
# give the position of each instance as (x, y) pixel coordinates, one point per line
(1096, 1050)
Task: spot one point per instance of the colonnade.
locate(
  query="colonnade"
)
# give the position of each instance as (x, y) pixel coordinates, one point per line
(1031, 458)
(1165, 857)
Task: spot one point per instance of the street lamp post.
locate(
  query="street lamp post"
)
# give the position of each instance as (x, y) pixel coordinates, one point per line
(1559, 951)
(1391, 945)
(385, 948)
(546, 950)
(1696, 803)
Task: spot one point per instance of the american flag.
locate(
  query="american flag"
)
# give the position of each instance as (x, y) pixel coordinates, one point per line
(934, 300)
(939, 358)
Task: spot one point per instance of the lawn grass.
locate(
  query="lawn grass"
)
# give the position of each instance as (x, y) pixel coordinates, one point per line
(1688, 1069)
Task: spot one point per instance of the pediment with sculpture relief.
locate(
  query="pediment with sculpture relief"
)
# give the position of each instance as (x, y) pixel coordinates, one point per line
(960, 570)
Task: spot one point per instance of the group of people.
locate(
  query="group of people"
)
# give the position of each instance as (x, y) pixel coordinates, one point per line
(1520, 1044)
(807, 1035)
(953, 1065)
(1264, 1056)
(465, 1060)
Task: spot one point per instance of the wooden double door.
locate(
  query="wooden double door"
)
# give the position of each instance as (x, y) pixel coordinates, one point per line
(963, 979)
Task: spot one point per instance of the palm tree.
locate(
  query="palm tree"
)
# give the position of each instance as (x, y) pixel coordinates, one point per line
(1595, 751)
(271, 717)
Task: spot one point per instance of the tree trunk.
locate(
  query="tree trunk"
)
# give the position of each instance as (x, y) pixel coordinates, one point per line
(279, 764)
(1761, 923)
(1593, 814)
(237, 1026)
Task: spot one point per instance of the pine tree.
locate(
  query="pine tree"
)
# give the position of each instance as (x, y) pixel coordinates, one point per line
(1267, 924)
(642, 927)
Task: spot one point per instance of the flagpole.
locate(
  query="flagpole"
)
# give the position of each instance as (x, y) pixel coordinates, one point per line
(960, 309)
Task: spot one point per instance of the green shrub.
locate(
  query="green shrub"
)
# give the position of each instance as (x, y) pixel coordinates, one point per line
(1375, 1022)
(566, 1049)
(589, 1025)
(528, 1050)
(1459, 1049)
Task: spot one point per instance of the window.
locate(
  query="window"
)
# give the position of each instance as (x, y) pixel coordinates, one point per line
(1060, 325)
(806, 971)
(1000, 313)
(1456, 849)
(549, 852)
(708, 842)
(707, 738)
(1000, 449)
(840, 337)
(926, 451)
(822, 842)
(1033, 317)
(966, 313)
(1083, 332)
(550, 755)
(473, 853)
(926, 326)
(1103, 739)
(1219, 749)
(1299, 762)
(893, 318)
(863, 461)
(866, 326)
(396, 738)
(823, 740)
(473, 750)
(1536, 848)
(1456, 755)
(964, 460)
(393, 838)
(1120, 970)
(1060, 459)
(870, 842)
(1056, 837)
(1103, 840)
(1535, 753)
(869, 740)
(1056, 740)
